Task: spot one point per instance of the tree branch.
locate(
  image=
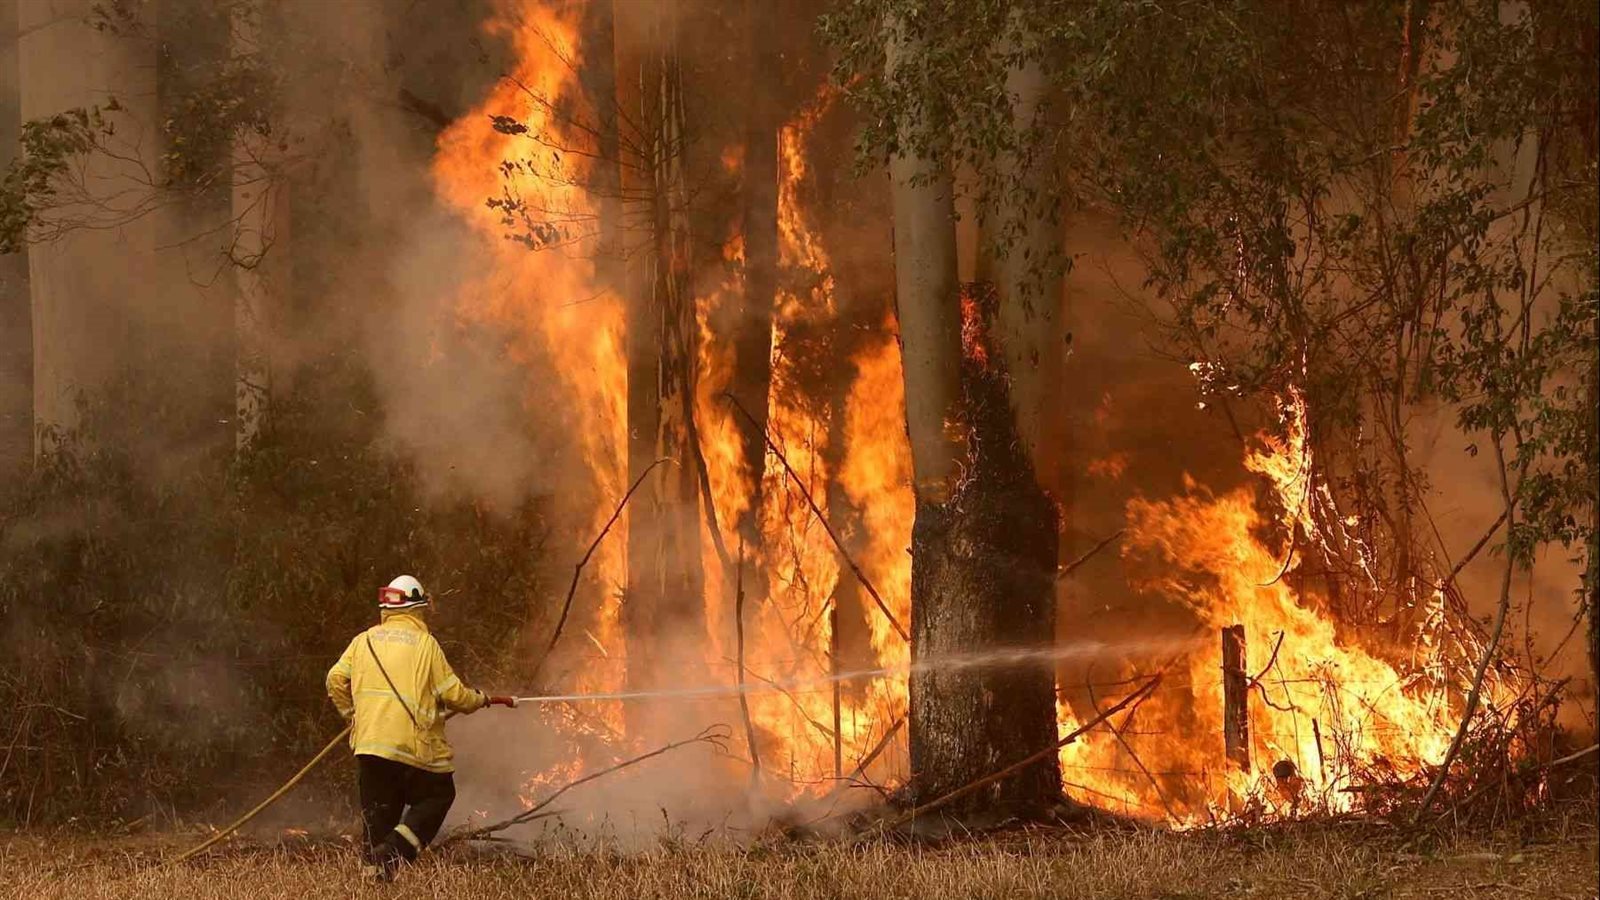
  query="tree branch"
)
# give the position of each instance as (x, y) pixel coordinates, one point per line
(1071, 567)
(1025, 762)
(837, 543)
(577, 571)
(714, 735)
(1474, 695)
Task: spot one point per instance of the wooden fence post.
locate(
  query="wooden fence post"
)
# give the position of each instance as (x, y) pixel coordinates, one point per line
(1235, 698)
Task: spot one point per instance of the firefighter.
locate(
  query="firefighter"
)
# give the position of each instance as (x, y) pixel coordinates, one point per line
(395, 687)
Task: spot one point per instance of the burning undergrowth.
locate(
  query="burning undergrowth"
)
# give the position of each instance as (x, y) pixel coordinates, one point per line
(1326, 715)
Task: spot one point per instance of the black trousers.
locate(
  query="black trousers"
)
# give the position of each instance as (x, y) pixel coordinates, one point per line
(398, 800)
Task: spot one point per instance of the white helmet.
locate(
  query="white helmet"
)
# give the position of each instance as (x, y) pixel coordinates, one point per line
(404, 592)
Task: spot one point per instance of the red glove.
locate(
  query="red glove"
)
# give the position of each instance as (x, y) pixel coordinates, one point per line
(507, 702)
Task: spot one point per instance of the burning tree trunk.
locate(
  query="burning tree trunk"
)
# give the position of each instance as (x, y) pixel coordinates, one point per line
(664, 605)
(752, 365)
(984, 542)
(599, 77)
(982, 572)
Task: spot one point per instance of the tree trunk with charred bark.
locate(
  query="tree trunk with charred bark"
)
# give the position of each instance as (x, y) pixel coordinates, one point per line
(982, 578)
(984, 542)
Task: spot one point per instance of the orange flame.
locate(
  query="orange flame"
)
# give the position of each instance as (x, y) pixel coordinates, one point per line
(549, 302)
(1317, 701)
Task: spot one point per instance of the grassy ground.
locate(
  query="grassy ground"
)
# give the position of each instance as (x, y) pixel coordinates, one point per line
(1306, 861)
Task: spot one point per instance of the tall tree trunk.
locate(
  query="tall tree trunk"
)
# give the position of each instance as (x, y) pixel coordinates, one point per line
(187, 330)
(1592, 552)
(664, 606)
(752, 366)
(599, 78)
(1028, 277)
(643, 348)
(260, 210)
(16, 318)
(983, 545)
(82, 314)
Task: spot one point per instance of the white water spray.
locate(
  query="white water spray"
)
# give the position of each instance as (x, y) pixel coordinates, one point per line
(955, 663)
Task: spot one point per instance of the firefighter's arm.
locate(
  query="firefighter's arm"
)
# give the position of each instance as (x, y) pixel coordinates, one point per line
(452, 694)
(338, 684)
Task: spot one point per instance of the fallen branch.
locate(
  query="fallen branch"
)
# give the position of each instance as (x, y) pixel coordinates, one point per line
(1572, 757)
(883, 744)
(715, 735)
(1069, 568)
(1024, 763)
(817, 511)
(577, 571)
(1468, 800)
(848, 781)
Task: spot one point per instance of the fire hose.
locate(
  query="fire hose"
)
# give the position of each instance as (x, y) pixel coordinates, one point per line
(296, 778)
(1002, 657)
(276, 795)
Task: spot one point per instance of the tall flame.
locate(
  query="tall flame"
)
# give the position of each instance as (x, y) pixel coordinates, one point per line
(550, 303)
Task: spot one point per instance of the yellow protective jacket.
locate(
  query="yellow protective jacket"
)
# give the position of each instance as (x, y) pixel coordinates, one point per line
(424, 681)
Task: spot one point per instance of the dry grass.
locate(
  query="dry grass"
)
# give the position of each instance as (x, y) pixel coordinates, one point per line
(1303, 862)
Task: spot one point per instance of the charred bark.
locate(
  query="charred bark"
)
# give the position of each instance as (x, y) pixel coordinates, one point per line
(984, 543)
(982, 578)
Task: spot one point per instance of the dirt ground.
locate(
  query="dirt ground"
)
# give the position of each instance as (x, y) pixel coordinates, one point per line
(1553, 859)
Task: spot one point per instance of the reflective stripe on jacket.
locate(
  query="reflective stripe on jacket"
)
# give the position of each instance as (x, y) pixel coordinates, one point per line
(424, 681)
